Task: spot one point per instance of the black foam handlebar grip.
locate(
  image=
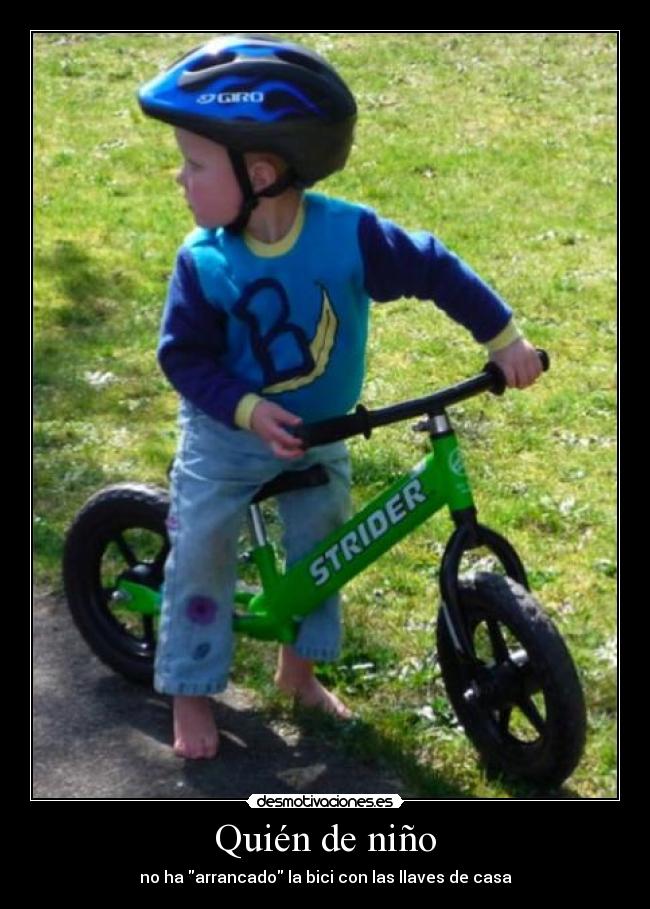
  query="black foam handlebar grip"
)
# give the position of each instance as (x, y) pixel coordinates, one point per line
(335, 429)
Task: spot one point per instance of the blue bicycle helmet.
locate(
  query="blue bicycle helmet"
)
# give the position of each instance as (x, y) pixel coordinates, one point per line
(258, 93)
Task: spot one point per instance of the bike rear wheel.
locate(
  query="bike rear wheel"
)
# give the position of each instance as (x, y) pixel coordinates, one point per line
(520, 701)
(120, 529)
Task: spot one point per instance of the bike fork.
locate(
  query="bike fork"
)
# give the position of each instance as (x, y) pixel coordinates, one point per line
(469, 534)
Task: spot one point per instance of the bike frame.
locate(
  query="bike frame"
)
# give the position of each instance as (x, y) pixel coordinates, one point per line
(287, 597)
(437, 481)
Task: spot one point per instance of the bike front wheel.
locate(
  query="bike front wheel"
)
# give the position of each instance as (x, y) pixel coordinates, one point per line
(520, 700)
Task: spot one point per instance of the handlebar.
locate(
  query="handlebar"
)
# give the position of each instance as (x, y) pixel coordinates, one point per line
(363, 421)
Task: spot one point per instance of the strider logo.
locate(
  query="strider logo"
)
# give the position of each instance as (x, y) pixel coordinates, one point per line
(367, 531)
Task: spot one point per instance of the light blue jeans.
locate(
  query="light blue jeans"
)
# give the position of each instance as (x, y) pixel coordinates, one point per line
(216, 473)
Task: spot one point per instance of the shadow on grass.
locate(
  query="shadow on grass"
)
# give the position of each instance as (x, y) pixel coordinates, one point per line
(95, 313)
(365, 742)
(91, 289)
(77, 400)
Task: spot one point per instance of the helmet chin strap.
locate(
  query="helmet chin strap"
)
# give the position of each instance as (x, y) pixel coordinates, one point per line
(251, 199)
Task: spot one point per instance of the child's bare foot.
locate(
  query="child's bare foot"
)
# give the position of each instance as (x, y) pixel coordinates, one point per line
(313, 694)
(295, 677)
(195, 731)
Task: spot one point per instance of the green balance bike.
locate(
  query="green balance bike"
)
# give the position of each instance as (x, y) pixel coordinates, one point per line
(507, 672)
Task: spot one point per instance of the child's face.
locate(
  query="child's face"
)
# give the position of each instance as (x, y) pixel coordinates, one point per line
(207, 177)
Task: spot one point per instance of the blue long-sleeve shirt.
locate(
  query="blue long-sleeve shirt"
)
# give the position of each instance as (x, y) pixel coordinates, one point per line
(289, 321)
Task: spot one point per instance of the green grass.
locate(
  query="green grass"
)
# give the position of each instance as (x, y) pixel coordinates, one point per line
(504, 145)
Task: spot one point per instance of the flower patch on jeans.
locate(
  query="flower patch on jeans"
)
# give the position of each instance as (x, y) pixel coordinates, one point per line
(202, 610)
(201, 651)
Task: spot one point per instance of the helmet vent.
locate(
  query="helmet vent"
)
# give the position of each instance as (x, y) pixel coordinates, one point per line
(204, 69)
(302, 60)
(210, 60)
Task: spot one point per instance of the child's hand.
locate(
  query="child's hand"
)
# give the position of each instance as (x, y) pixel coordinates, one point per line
(267, 421)
(519, 362)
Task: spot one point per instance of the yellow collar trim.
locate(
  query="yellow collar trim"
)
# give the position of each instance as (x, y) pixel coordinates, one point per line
(282, 247)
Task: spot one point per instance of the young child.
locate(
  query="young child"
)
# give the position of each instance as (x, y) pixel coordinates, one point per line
(265, 327)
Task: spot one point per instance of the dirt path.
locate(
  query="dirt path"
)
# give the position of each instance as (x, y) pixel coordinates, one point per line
(95, 736)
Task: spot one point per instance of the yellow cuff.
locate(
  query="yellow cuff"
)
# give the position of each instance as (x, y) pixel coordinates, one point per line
(509, 334)
(244, 410)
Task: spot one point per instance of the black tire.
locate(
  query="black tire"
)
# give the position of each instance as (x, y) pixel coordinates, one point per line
(119, 528)
(523, 709)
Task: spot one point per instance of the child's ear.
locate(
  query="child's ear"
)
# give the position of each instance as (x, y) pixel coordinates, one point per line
(262, 174)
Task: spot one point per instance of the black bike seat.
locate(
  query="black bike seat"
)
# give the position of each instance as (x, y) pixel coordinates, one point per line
(291, 480)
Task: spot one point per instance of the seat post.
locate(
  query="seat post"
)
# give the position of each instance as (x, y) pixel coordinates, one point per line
(256, 525)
